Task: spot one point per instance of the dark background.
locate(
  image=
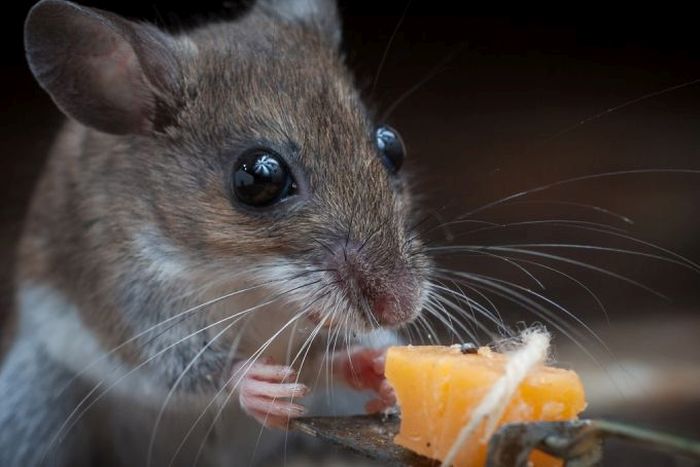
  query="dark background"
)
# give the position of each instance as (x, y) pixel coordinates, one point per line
(495, 101)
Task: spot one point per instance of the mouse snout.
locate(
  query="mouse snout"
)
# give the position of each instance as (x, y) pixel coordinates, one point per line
(381, 287)
(390, 310)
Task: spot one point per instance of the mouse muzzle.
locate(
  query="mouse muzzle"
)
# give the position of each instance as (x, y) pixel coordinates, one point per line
(380, 281)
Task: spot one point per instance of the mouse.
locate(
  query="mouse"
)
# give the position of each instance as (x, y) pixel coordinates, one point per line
(222, 230)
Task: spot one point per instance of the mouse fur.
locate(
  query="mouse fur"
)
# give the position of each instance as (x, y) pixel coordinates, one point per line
(132, 223)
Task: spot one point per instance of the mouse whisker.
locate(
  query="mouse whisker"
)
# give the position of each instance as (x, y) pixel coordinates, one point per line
(233, 348)
(427, 327)
(472, 306)
(530, 300)
(605, 229)
(435, 71)
(385, 55)
(429, 330)
(78, 413)
(306, 346)
(564, 259)
(175, 385)
(492, 313)
(254, 359)
(326, 360)
(507, 260)
(579, 283)
(582, 178)
(683, 262)
(437, 311)
(443, 300)
(343, 327)
(427, 333)
(515, 290)
(459, 310)
(437, 308)
(518, 249)
(422, 227)
(602, 229)
(188, 312)
(241, 372)
(586, 206)
(484, 223)
(371, 319)
(309, 340)
(416, 325)
(571, 223)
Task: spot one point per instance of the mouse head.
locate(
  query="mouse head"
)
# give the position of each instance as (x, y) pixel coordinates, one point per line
(238, 148)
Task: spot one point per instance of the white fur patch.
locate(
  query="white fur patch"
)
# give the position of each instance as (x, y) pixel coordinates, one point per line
(49, 320)
(298, 9)
(188, 46)
(159, 256)
(47, 317)
(379, 339)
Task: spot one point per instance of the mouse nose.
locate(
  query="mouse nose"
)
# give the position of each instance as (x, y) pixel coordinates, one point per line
(383, 286)
(388, 311)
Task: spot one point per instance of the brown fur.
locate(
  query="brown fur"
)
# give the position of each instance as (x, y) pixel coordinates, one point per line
(258, 82)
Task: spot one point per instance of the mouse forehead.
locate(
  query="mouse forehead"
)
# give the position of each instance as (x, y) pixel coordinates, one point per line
(265, 83)
(264, 79)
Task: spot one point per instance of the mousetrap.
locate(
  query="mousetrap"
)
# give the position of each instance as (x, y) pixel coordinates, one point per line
(579, 443)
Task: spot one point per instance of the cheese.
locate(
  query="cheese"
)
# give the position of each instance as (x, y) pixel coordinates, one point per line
(437, 389)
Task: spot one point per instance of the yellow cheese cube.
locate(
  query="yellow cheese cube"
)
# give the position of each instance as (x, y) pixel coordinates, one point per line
(438, 388)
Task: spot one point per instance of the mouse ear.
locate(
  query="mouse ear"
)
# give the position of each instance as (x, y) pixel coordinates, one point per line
(322, 14)
(108, 73)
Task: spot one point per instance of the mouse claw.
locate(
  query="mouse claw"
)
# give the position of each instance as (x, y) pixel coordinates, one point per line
(266, 392)
(363, 368)
(386, 399)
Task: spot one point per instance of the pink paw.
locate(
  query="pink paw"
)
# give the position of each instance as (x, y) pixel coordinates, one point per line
(364, 369)
(266, 392)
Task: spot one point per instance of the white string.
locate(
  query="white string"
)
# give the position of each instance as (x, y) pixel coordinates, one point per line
(535, 344)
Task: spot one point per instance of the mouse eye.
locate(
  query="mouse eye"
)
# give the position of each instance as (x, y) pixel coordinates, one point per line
(390, 147)
(261, 178)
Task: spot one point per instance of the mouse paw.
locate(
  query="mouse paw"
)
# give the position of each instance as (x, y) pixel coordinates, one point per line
(266, 392)
(363, 368)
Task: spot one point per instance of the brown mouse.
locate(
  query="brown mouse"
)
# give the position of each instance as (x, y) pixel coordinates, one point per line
(219, 208)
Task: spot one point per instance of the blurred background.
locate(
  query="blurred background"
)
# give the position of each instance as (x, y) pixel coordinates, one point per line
(492, 102)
